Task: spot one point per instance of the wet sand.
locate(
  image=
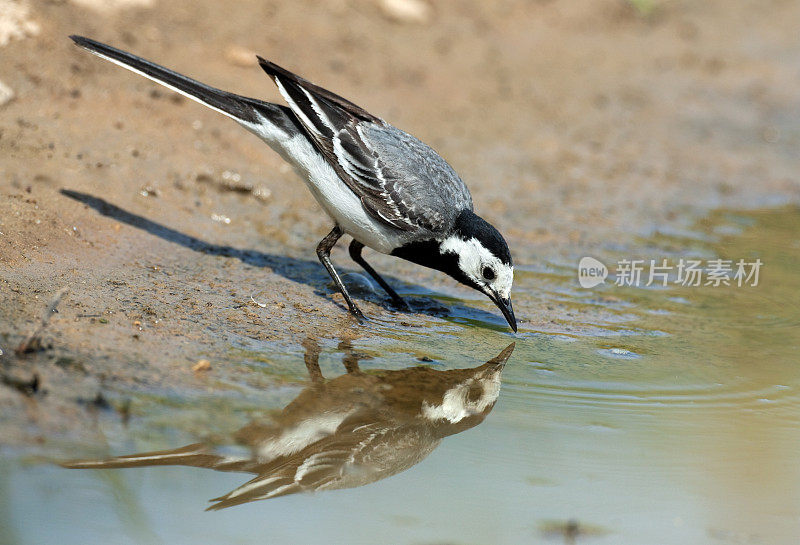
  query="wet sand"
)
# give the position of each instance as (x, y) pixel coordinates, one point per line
(578, 126)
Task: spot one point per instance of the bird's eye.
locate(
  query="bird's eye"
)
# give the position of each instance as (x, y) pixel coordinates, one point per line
(488, 273)
(475, 393)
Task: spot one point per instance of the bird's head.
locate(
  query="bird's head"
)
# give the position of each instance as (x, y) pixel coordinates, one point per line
(480, 259)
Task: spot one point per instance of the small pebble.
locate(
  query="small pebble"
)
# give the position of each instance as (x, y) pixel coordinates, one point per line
(406, 11)
(202, 365)
(149, 191)
(16, 22)
(262, 193)
(109, 6)
(6, 94)
(240, 56)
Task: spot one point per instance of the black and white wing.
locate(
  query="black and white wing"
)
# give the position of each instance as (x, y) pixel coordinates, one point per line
(399, 179)
(357, 454)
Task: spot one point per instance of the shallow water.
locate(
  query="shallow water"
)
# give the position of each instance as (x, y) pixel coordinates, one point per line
(649, 415)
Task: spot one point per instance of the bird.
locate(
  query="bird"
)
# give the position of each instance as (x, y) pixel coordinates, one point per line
(346, 432)
(380, 185)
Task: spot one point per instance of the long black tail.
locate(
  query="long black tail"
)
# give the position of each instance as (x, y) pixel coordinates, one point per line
(247, 111)
(195, 455)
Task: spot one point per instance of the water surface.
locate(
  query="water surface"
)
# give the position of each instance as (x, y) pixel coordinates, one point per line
(647, 415)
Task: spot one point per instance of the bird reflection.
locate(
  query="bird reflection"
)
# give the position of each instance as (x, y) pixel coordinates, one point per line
(350, 431)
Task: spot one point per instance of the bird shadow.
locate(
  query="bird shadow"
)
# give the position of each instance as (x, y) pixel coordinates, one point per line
(302, 271)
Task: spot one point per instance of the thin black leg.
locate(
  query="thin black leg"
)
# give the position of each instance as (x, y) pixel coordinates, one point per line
(355, 253)
(350, 359)
(324, 253)
(311, 359)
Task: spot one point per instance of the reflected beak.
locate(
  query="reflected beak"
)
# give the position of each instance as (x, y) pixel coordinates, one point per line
(505, 307)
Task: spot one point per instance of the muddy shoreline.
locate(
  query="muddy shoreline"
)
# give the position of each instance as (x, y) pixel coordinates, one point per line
(578, 126)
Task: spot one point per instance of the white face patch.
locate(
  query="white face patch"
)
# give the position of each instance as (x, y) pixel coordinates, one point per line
(457, 404)
(474, 257)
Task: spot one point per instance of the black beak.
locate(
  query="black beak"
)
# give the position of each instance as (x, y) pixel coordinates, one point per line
(500, 360)
(505, 307)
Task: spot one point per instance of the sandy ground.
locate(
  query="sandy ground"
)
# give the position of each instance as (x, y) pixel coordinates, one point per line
(577, 124)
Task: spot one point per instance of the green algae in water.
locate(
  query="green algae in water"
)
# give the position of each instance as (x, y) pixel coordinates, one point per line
(652, 415)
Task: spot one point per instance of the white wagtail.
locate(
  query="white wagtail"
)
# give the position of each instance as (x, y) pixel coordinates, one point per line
(380, 185)
(347, 432)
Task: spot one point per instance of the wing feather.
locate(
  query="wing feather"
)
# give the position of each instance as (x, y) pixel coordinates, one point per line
(400, 180)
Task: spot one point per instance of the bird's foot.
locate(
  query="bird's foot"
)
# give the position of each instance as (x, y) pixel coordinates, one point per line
(357, 314)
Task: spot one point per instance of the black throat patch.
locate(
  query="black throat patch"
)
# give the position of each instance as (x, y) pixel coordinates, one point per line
(428, 254)
(468, 225)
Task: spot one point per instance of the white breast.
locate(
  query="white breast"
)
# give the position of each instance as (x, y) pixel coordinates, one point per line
(341, 204)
